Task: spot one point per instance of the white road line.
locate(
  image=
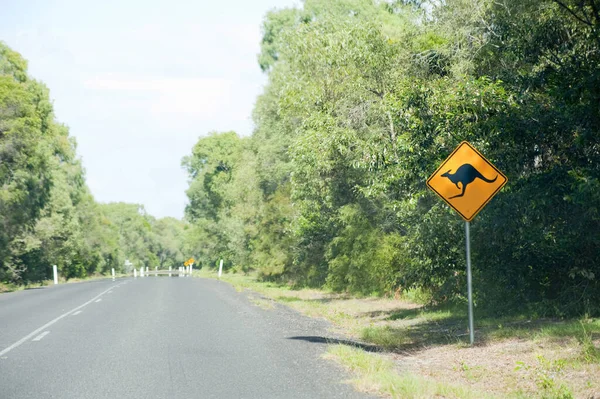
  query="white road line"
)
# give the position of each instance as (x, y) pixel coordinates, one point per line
(76, 313)
(98, 300)
(33, 333)
(42, 335)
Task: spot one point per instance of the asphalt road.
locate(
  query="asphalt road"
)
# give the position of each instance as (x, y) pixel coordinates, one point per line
(160, 337)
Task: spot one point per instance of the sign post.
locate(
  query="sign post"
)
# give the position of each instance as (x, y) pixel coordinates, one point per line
(469, 285)
(467, 182)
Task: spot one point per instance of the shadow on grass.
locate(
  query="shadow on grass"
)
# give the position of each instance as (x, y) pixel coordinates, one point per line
(447, 328)
(318, 300)
(334, 341)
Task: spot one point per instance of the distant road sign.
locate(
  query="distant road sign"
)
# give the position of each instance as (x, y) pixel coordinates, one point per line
(189, 262)
(466, 181)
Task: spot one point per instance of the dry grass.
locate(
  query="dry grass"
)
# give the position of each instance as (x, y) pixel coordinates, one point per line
(263, 303)
(376, 373)
(513, 357)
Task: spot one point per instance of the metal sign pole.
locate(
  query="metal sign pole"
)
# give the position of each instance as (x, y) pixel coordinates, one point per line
(469, 166)
(468, 239)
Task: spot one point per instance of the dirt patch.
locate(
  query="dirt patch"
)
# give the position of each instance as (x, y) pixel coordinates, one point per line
(526, 368)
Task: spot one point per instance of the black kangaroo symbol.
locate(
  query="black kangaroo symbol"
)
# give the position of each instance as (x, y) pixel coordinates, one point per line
(465, 174)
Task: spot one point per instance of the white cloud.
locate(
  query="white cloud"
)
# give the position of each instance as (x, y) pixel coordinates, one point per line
(199, 96)
(158, 85)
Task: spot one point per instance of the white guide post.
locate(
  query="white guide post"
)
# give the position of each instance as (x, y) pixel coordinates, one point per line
(191, 268)
(55, 272)
(113, 273)
(142, 271)
(221, 268)
(134, 273)
(169, 271)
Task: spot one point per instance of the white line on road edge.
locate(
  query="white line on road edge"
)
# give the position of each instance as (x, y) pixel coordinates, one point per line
(76, 313)
(98, 300)
(42, 335)
(19, 342)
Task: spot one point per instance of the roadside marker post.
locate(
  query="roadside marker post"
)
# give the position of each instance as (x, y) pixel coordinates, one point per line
(169, 271)
(55, 272)
(187, 266)
(142, 271)
(134, 273)
(113, 273)
(473, 170)
(220, 268)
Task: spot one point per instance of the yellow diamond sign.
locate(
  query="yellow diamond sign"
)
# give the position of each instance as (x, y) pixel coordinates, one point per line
(188, 262)
(466, 181)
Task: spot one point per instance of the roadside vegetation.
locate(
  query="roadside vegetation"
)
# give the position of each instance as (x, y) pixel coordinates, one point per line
(47, 214)
(326, 207)
(403, 348)
(364, 100)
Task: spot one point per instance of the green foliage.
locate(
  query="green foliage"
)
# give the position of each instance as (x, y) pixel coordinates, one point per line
(361, 258)
(31, 144)
(364, 100)
(47, 213)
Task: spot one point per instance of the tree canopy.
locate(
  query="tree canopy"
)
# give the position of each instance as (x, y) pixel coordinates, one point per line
(47, 212)
(364, 100)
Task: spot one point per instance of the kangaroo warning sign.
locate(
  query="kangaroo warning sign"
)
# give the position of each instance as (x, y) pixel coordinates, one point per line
(466, 181)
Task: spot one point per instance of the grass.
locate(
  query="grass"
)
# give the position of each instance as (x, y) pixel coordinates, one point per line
(263, 303)
(11, 287)
(514, 356)
(385, 337)
(375, 373)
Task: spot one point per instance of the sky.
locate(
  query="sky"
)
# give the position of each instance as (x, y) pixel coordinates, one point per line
(139, 81)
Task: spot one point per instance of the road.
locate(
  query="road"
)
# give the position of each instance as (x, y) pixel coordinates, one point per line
(160, 337)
